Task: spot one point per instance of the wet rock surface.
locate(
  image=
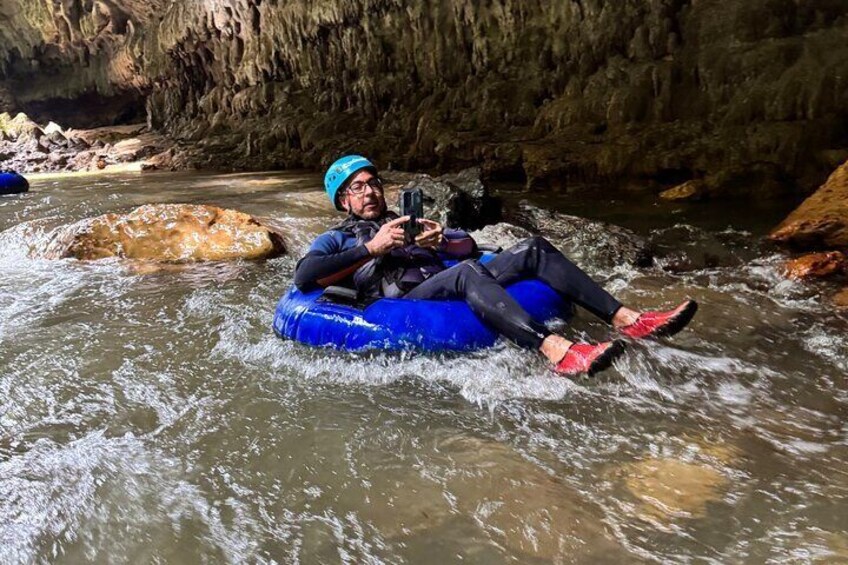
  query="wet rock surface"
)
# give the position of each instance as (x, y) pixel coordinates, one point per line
(663, 90)
(168, 233)
(821, 221)
(817, 265)
(502, 235)
(455, 200)
(579, 238)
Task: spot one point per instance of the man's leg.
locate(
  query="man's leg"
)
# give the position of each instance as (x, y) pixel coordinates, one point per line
(471, 282)
(535, 257)
(486, 297)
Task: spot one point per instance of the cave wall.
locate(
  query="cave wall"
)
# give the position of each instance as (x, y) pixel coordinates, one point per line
(748, 93)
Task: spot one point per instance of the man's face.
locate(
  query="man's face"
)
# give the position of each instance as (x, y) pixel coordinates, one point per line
(362, 199)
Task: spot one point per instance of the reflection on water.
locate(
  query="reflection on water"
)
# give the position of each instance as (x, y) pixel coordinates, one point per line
(151, 414)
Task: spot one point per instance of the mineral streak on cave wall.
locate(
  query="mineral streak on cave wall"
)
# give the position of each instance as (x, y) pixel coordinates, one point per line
(739, 91)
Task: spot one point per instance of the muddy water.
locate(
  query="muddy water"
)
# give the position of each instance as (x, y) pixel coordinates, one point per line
(153, 416)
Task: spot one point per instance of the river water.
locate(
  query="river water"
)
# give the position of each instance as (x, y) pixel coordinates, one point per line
(153, 415)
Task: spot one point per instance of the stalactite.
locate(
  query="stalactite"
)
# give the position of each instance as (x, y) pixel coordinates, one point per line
(618, 88)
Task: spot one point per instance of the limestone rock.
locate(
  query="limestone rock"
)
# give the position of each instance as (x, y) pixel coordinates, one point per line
(821, 221)
(53, 127)
(585, 240)
(455, 200)
(689, 190)
(817, 265)
(20, 127)
(502, 235)
(29, 149)
(169, 233)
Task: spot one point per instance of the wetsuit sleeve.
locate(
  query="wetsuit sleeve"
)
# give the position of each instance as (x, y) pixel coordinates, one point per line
(326, 263)
(458, 243)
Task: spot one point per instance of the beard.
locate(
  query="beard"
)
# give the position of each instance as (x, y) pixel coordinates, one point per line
(371, 209)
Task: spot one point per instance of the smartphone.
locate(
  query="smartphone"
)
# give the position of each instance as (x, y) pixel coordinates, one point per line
(411, 203)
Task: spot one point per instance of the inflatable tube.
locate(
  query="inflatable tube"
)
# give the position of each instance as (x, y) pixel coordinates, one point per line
(399, 324)
(12, 183)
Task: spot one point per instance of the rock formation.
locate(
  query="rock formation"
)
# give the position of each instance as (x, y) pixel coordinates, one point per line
(458, 200)
(585, 241)
(27, 147)
(821, 221)
(168, 233)
(666, 90)
(817, 266)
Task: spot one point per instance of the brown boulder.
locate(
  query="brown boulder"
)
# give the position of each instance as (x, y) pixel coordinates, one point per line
(689, 190)
(840, 299)
(817, 265)
(170, 233)
(821, 221)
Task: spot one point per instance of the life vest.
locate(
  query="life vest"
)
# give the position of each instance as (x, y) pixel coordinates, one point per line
(394, 274)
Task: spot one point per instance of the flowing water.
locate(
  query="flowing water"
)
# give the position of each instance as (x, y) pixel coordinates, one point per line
(153, 416)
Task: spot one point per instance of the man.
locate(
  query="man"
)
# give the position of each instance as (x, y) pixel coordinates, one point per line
(368, 252)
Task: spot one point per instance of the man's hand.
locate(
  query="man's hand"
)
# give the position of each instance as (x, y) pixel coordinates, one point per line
(389, 237)
(432, 235)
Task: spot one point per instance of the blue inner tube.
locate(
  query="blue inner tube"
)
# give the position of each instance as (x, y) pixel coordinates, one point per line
(12, 183)
(400, 324)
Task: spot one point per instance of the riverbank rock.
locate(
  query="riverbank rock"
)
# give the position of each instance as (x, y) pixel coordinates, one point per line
(585, 240)
(169, 233)
(821, 221)
(26, 147)
(817, 265)
(689, 190)
(459, 200)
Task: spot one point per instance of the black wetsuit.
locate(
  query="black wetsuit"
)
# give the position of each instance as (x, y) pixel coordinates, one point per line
(480, 286)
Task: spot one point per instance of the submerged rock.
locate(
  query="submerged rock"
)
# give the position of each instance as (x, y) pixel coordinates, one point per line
(821, 221)
(169, 233)
(670, 489)
(817, 265)
(585, 240)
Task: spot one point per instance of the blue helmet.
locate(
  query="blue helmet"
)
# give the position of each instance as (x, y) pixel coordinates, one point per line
(340, 171)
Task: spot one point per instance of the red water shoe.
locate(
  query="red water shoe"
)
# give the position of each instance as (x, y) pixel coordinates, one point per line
(657, 324)
(585, 358)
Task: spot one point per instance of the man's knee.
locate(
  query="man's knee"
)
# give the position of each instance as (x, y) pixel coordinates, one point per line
(471, 272)
(534, 244)
(539, 242)
(472, 269)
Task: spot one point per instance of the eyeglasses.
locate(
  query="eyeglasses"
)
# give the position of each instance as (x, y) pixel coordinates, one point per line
(358, 188)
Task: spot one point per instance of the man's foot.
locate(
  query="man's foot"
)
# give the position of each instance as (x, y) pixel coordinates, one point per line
(588, 359)
(658, 324)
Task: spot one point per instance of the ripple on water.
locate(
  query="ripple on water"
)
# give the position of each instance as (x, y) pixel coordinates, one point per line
(151, 414)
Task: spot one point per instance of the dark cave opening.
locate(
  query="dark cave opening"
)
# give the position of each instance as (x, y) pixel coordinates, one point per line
(89, 110)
